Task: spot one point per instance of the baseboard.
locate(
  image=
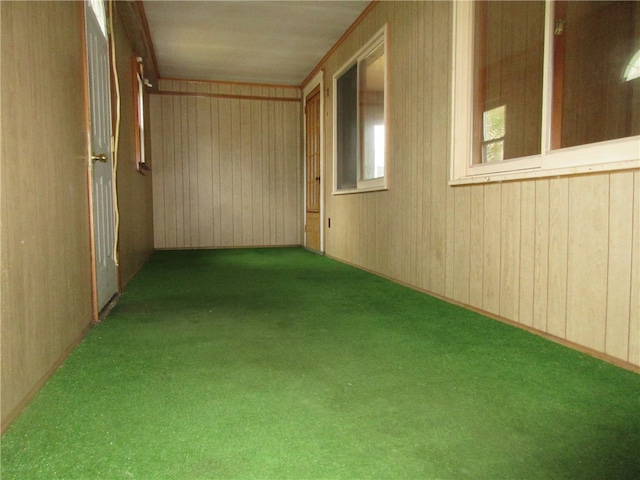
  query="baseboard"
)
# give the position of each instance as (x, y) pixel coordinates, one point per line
(227, 247)
(566, 343)
(6, 422)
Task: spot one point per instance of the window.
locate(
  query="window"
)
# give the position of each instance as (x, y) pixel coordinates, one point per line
(139, 82)
(633, 68)
(493, 133)
(541, 89)
(360, 126)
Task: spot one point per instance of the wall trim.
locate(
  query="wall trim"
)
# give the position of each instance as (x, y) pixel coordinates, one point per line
(231, 82)
(226, 95)
(228, 247)
(17, 410)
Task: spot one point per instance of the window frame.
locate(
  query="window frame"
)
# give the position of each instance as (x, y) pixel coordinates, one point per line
(374, 184)
(139, 114)
(610, 155)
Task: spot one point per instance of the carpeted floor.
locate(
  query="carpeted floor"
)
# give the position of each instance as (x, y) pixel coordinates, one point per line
(278, 363)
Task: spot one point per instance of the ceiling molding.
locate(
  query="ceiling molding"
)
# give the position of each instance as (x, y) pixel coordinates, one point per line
(135, 24)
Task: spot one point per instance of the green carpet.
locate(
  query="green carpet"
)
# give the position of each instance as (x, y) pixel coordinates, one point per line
(278, 363)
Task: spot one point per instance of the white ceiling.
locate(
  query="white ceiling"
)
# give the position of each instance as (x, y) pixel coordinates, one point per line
(275, 42)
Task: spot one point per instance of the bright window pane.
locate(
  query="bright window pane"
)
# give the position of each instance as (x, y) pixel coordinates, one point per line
(98, 8)
(493, 152)
(372, 73)
(633, 69)
(379, 135)
(494, 123)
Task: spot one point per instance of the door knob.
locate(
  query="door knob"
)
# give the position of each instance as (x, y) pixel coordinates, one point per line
(101, 157)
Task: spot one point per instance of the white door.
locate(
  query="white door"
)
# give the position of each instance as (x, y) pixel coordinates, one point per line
(101, 161)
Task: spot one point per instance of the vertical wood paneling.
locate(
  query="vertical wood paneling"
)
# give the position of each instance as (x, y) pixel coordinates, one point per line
(439, 146)
(205, 166)
(167, 165)
(225, 180)
(179, 170)
(413, 156)
(216, 172)
(461, 244)
(418, 143)
(634, 300)
(510, 250)
(266, 170)
(256, 167)
(235, 160)
(541, 255)
(587, 260)
(620, 238)
(426, 87)
(229, 167)
(293, 220)
(491, 248)
(557, 265)
(527, 256)
(476, 248)
(193, 168)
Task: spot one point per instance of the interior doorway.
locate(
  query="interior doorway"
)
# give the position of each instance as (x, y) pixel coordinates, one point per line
(313, 175)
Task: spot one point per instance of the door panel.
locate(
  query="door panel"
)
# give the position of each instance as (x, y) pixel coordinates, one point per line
(101, 163)
(312, 216)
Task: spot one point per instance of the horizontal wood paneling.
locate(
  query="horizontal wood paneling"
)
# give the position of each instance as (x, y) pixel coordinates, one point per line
(559, 255)
(227, 166)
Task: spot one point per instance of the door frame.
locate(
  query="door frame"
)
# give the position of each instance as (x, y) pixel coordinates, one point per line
(317, 80)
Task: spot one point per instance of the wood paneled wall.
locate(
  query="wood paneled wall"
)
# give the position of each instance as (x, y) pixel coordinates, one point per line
(45, 260)
(45, 248)
(559, 255)
(227, 165)
(135, 199)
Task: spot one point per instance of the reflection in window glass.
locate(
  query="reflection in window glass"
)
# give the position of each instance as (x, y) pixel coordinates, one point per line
(592, 100)
(379, 136)
(494, 131)
(633, 69)
(372, 114)
(508, 70)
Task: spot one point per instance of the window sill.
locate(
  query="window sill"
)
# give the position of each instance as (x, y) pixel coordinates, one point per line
(608, 156)
(545, 173)
(360, 190)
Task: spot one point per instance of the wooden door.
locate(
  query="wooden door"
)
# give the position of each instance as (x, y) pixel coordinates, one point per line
(312, 214)
(101, 161)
